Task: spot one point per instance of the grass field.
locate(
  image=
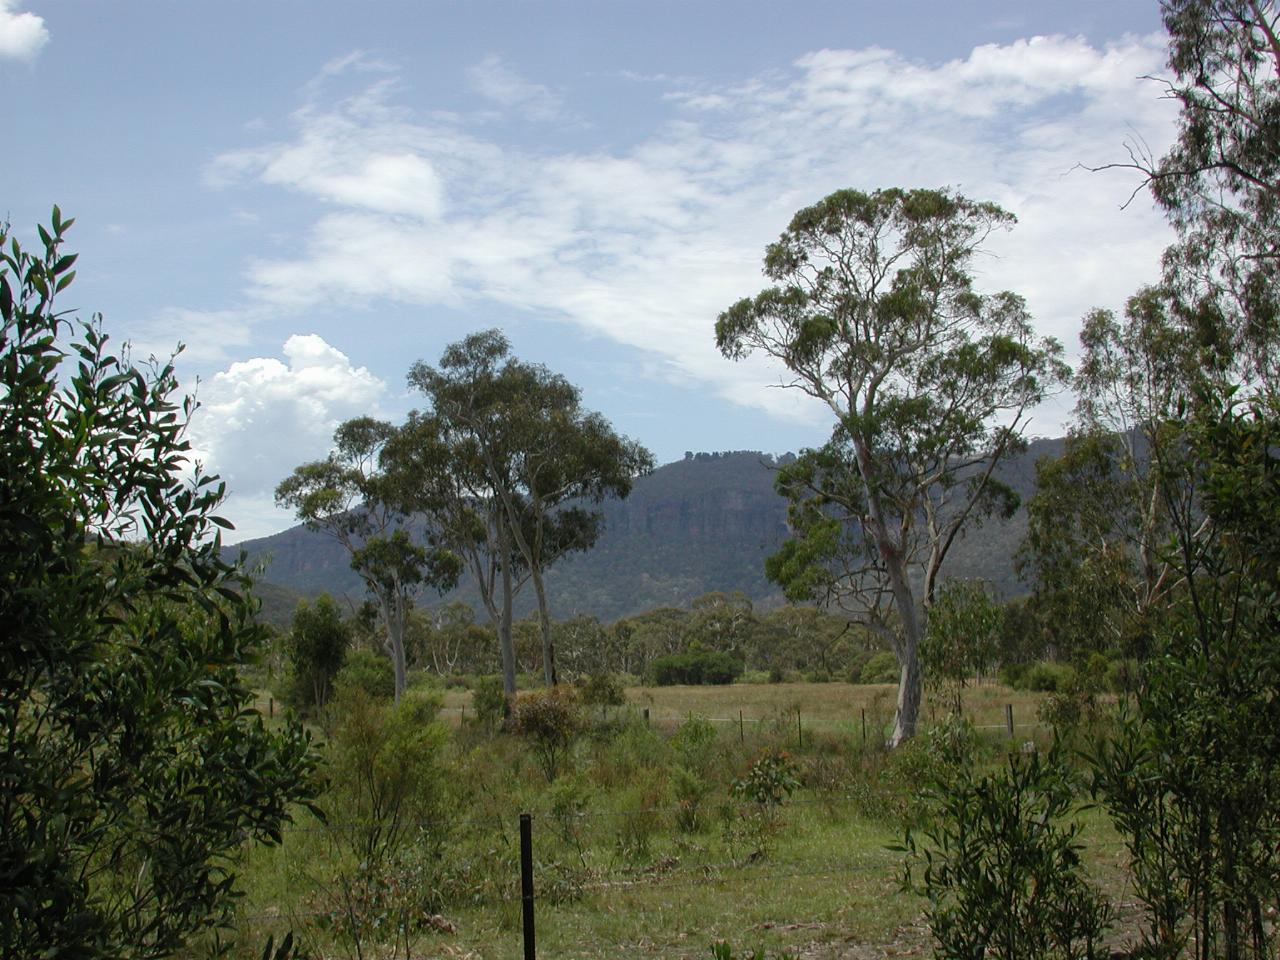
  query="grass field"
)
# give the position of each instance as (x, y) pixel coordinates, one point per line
(620, 877)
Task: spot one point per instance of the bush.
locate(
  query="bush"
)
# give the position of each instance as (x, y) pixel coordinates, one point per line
(489, 701)
(1002, 876)
(135, 775)
(366, 671)
(603, 690)
(550, 720)
(881, 668)
(695, 667)
(1014, 675)
(1045, 677)
(1122, 676)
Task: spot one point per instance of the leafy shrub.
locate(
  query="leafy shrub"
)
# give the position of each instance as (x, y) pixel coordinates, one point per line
(856, 664)
(602, 690)
(1046, 677)
(389, 774)
(550, 720)
(766, 786)
(696, 667)
(1002, 876)
(135, 773)
(489, 701)
(1067, 710)
(881, 668)
(1122, 676)
(769, 782)
(369, 672)
(1014, 675)
(694, 740)
(639, 822)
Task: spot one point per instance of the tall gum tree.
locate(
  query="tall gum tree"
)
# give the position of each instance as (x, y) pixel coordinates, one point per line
(874, 314)
(437, 470)
(351, 496)
(542, 455)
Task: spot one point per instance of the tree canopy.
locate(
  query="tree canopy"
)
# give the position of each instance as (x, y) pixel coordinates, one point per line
(930, 383)
(129, 751)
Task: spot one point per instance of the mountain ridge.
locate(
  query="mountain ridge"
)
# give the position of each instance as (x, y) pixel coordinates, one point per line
(700, 524)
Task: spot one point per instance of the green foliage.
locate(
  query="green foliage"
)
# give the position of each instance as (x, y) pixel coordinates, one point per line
(602, 690)
(1193, 778)
(721, 950)
(1001, 874)
(773, 777)
(696, 667)
(550, 720)
(875, 315)
(881, 667)
(1048, 677)
(368, 672)
(962, 637)
(133, 772)
(489, 701)
(317, 647)
(389, 777)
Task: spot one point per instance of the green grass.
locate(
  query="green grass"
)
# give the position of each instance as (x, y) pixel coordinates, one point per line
(827, 885)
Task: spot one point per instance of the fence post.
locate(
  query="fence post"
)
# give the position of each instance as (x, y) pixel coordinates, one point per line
(864, 729)
(799, 731)
(526, 882)
(1008, 718)
(742, 730)
(271, 706)
(646, 716)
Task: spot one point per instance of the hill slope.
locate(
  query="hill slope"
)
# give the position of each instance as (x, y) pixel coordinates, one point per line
(700, 524)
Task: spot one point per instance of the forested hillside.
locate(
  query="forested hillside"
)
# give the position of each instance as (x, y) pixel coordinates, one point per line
(700, 524)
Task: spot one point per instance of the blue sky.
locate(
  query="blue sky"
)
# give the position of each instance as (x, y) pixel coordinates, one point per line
(312, 195)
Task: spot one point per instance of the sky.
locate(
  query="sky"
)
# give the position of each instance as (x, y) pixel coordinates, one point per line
(312, 195)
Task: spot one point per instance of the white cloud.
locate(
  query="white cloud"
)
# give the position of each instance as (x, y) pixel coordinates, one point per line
(259, 418)
(206, 336)
(22, 35)
(496, 81)
(647, 245)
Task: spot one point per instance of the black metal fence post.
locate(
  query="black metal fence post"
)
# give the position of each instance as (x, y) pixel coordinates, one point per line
(526, 882)
(742, 729)
(1008, 718)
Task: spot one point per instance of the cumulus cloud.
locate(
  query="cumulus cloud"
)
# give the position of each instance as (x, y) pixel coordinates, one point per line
(261, 417)
(22, 35)
(646, 245)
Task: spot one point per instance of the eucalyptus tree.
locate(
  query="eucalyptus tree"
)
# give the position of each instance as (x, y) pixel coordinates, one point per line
(1219, 183)
(1098, 522)
(439, 471)
(930, 383)
(350, 496)
(541, 454)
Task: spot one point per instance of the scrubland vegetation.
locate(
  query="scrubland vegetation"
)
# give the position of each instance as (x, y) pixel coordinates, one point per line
(653, 838)
(146, 810)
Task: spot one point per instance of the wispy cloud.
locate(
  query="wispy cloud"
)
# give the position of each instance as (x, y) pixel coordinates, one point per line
(498, 82)
(22, 35)
(647, 245)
